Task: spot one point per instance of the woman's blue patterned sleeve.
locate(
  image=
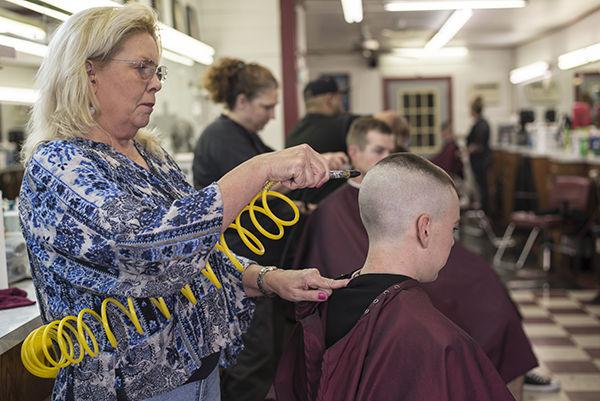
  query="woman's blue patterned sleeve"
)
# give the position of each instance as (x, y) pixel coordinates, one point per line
(109, 238)
(240, 308)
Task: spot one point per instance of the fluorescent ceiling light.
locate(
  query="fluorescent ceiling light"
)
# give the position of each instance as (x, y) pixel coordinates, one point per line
(24, 46)
(185, 45)
(18, 95)
(449, 29)
(445, 52)
(579, 57)
(452, 5)
(40, 9)
(172, 40)
(73, 6)
(353, 10)
(529, 73)
(21, 29)
(177, 58)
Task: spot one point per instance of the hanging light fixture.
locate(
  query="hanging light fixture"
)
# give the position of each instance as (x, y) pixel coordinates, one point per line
(449, 29)
(452, 5)
(18, 95)
(24, 46)
(579, 57)
(530, 73)
(17, 28)
(182, 47)
(353, 10)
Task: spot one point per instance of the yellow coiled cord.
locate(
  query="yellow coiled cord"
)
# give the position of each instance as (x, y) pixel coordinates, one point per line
(71, 338)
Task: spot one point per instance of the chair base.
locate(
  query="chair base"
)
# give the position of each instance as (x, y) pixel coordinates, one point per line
(507, 241)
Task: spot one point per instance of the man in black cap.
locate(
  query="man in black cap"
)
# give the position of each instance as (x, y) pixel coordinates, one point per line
(324, 126)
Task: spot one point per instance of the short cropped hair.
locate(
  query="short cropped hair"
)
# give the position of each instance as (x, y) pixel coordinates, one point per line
(357, 135)
(397, 190)
(399, 126)
(63, 109)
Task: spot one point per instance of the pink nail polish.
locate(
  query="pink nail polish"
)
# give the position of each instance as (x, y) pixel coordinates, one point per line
(322, 296)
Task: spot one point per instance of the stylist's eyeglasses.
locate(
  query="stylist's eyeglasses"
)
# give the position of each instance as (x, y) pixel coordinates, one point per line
(147, 69)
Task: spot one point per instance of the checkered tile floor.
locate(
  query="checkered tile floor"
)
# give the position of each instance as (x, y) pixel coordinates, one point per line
(565, 332)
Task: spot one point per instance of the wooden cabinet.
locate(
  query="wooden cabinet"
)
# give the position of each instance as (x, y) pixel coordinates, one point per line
(542, 180)
(17, 384)
(504, 172)
(504, 176)
(502, 184)
(568, 168)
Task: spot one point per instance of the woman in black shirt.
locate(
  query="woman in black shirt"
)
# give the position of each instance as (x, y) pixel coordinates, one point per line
(478, 144)
(249, 94)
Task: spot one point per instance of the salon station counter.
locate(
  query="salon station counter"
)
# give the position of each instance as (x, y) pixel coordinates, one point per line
(15, 324)
(509, 161)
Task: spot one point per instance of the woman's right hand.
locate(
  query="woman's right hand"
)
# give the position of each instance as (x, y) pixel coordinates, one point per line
(296, 167)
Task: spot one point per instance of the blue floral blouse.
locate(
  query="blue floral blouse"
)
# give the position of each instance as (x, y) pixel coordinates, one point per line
(98, 225)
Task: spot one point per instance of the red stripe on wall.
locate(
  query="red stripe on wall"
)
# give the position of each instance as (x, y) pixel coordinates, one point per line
(288, 55)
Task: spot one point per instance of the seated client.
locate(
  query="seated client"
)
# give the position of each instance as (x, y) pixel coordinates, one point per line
(381, 338)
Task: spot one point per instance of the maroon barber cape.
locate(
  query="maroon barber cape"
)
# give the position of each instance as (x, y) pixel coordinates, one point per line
(467, 290)
(401, 349)
(449, 160)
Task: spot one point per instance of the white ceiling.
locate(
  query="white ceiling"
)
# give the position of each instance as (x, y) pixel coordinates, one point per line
(328, 33)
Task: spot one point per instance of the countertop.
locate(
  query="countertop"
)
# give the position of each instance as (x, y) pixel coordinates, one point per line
(17, 323)
(560, 156)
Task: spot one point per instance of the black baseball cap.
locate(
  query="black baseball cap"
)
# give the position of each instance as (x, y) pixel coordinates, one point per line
(320, 86)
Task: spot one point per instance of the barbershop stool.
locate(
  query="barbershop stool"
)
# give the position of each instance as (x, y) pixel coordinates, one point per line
(568, 197)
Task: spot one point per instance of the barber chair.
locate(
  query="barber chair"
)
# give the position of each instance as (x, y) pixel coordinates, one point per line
(477, 222)
(568, 204)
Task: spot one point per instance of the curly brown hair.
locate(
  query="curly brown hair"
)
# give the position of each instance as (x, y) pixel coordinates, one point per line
(230, 77)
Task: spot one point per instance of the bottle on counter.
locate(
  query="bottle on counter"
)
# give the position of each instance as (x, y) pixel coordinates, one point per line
(594, 142)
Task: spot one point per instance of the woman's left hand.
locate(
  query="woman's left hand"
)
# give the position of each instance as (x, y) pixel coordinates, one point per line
(293, 285)
(301, 285)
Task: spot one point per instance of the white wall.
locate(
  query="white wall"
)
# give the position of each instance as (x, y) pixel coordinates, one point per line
(17, 76)
(180, 100)
(249, 30)
(180, 103)
(581, 34)
(366, 95)
(481, 66)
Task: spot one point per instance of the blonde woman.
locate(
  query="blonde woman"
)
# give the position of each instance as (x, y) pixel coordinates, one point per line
(107, 213)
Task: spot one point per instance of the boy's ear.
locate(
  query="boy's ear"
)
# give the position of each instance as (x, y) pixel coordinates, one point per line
(424, 229)
(352, 151)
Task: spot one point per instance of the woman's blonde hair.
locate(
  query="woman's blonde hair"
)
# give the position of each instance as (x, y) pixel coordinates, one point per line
(66, 104)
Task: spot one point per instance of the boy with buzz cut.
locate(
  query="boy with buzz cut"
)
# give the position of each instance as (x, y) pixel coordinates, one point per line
(380, 338)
